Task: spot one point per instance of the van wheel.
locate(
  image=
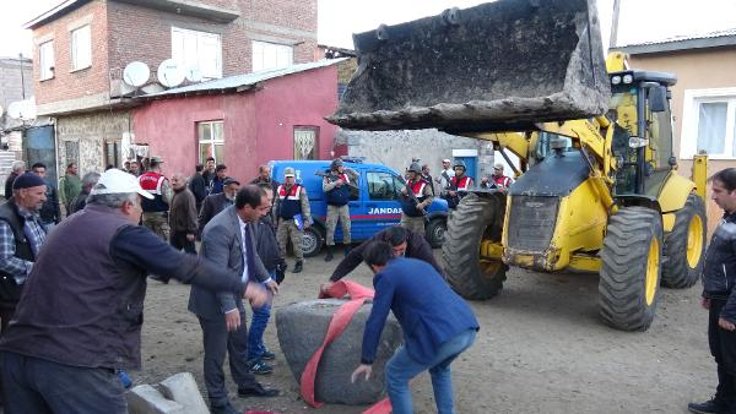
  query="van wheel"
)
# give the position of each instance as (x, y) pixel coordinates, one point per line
(436, 232)
(312, 241)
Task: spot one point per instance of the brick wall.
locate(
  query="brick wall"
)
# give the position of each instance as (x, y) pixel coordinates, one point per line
(122, 33)
(65, 84)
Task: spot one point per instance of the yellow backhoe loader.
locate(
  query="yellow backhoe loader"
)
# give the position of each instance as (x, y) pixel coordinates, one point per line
(597, 189)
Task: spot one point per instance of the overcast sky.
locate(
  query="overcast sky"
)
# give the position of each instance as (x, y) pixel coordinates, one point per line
(640, 20)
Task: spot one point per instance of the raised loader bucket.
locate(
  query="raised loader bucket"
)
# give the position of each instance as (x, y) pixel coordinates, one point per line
(497, 66)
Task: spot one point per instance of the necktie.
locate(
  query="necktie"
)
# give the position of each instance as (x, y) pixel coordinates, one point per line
(249, 252)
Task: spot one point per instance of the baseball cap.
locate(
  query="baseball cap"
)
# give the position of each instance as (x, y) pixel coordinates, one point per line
(447, 160)
(498, 166)
(114, 181)
(288, 172)
(156, 161)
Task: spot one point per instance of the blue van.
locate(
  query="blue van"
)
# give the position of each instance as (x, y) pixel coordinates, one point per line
(374, 205)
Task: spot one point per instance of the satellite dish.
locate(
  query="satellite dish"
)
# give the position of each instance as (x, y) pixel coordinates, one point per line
(170, 74)
(194, 75)
(136, 74)
(24, 110)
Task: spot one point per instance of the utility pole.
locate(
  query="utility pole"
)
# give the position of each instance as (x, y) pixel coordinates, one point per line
(614, 24)
(22, 77)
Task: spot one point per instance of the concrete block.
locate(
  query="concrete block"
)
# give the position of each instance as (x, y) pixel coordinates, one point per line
(144, 399)
(301, 329)
(183, 389)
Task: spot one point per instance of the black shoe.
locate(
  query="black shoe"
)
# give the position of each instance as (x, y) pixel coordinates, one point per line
(328, 255)
(224, 409)
(298, 267)
(258, 391)
(268, 355)
(709, 407)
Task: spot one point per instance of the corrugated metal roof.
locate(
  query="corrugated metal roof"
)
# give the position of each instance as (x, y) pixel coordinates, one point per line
(245, 81)
(700, 41)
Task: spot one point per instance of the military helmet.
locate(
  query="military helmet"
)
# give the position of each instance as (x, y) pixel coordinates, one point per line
(459, 163)
(414, 167)
(336, 163)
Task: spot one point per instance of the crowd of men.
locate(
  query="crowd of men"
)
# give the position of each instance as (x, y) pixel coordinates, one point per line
(77, 322)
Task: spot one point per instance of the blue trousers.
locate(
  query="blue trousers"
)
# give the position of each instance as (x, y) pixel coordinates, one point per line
(401, 368)
(258, 324)
(37, 386)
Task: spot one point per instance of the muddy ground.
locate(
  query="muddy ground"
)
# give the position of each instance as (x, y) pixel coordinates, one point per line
(541, 349)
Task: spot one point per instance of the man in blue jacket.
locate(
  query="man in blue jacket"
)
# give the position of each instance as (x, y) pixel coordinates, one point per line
(438, 326)
(719, 277)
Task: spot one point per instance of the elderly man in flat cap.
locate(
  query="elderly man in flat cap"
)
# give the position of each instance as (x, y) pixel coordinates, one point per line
(21, 238)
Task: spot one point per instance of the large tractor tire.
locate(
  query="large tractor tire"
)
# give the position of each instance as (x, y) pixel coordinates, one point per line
(684, 247)
(475, 219)
(630, 274)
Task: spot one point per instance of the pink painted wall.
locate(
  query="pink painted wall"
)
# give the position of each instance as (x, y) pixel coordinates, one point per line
(258, 126)
(303, 99)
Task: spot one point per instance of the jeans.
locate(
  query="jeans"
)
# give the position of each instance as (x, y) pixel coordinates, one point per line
(37, 386)
(258, 324)
(401, 368)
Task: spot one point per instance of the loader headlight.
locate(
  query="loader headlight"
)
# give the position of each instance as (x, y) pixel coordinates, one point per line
(615, 80)
(628, 78)
(638, 142)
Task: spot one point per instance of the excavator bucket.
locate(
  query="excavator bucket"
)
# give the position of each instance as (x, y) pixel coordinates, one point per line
(505, 65)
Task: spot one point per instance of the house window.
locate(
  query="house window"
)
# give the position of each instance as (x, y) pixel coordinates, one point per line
(201, 50)
(71, 152)
(112, 154)
(81, 48)
(46, 59)
(305, 142)
(271, 56)
(709, 123)
(211, 141)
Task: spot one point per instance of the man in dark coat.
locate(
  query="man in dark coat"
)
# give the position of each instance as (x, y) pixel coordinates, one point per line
(215, 203)
(198, 186)
(404, 243)
(16, 169)
(51, 211)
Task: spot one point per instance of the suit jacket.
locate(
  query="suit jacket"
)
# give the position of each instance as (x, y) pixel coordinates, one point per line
(212, 206)
(222, 242)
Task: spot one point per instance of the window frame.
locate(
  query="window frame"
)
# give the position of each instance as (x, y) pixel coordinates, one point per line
(315, 149)
(257, 45)
(75, 46)
(201, 38)
(212, 140)
(46, 69)
(691, 120)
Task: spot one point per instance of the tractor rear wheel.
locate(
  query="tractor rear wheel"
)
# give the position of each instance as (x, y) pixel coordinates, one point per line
(630, 274)
(475, 219)
(684, 247)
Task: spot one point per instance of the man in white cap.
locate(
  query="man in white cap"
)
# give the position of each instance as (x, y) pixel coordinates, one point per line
(502, 182)
(80, 317)
(443, 179)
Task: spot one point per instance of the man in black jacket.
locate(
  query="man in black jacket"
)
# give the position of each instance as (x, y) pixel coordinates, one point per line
(51, 211)
(214, 203)
(198, 186)
(719, 278)
(404, 243)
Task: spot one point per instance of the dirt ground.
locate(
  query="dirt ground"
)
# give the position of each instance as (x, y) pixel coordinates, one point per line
(541, 349)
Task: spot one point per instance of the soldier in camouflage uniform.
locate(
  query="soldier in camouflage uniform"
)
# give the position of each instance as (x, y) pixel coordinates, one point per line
(336, 186)
(416, 196)
(292, 210)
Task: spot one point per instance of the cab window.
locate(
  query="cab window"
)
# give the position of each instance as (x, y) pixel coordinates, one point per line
(381, 186)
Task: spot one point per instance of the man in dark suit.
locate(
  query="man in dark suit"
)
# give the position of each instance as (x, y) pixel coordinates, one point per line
(213, 204)
(228, 239)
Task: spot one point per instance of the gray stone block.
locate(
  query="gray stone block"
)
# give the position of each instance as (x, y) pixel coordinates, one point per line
(301, 330)
(183, 389)
(144, 399)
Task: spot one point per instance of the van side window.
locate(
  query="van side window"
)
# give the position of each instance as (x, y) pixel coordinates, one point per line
(381, 186)
(355, 188)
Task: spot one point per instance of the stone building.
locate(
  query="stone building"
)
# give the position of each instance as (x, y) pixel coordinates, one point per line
(82, 47)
